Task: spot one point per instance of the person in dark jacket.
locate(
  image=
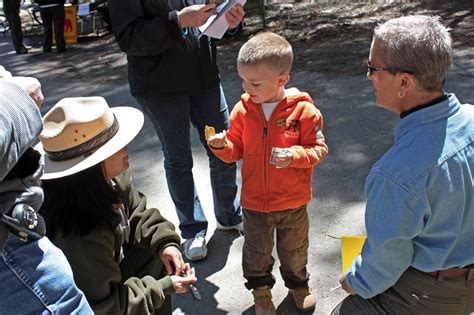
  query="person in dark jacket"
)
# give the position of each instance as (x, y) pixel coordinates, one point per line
(11, 8)
(124, 255)
(173, 75)
(52, 13)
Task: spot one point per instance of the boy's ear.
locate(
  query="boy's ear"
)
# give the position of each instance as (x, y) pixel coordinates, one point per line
(283, 79)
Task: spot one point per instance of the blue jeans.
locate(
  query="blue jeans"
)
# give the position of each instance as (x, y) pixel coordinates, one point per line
(36, 279)
(171, 117)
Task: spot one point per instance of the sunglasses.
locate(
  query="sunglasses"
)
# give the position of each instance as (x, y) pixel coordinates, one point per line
(392, 70)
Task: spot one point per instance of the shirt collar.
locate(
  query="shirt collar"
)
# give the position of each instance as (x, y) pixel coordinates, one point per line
(444, 108)
(416, 108)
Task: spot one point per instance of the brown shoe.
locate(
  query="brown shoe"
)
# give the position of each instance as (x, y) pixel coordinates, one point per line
(304, 299)
(263, 301)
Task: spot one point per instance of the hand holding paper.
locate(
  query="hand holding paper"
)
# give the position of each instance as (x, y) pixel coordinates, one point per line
(195, 15)
(229, 13)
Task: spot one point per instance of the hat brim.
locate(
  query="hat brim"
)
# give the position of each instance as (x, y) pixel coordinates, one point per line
(130, 123)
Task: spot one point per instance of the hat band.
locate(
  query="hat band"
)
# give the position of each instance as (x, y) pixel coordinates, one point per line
(86, 147)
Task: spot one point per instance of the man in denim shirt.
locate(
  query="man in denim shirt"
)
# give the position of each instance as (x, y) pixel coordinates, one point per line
(35, 276)
(419, 253)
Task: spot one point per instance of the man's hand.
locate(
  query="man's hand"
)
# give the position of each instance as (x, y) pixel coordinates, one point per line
(4, 73)
(345, 286)
(181, 284)
(173, 261)
(217, 141)
(235, 15)
(195, 15)
(31, 86)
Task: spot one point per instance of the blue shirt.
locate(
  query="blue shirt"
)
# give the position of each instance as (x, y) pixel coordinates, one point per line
(420, 201)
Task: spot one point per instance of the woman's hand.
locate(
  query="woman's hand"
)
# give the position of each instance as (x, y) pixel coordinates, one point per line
(195, 15)
(235, 15)
(173, 261)
(181, 283)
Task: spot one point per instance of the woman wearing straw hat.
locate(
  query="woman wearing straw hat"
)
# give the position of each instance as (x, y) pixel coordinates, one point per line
(120, 250)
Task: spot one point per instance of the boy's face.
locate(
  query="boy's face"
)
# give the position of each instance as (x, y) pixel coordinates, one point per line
(262, 83)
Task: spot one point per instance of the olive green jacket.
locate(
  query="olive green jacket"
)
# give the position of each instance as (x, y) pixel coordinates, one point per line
(97, 271)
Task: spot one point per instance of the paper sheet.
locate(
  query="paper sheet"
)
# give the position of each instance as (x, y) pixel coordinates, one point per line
(217, 25)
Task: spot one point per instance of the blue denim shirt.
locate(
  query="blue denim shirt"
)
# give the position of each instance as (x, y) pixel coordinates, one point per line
(420, 202)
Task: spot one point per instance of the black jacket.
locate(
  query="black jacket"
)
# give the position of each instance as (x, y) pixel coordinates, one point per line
(160, 59)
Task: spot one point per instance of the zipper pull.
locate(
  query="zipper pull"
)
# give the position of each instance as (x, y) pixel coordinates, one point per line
(264, 135)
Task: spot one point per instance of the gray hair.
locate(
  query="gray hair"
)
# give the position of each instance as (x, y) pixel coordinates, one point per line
(418, 44)
(267, 48)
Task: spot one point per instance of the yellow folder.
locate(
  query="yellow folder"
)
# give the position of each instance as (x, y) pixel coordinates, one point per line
(351, 248)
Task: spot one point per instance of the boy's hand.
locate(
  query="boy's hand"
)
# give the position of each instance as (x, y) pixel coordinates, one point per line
(181, 283)
(196, 15)
(235, 15)
(283, 159)
(217, 141)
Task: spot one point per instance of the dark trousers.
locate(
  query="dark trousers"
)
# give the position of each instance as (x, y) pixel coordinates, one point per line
(172, 116)
(291, 229)
(417, 293)
(49, 16)
(12, 13)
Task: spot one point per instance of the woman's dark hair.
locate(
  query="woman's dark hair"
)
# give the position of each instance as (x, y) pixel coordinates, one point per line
(78, 203)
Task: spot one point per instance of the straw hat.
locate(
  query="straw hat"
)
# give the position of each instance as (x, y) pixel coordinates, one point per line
(80, 132)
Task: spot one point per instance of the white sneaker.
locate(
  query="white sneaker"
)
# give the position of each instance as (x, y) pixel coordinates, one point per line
(239, 227)
(195, 248)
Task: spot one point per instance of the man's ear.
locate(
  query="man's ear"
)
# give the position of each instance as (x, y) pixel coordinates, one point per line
(407, 81)
(283, 79)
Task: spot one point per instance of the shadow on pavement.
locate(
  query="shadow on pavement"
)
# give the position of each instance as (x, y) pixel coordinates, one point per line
(218, 253)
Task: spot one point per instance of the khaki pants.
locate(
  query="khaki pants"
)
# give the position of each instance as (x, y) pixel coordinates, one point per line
(417, 293)
(291, 227)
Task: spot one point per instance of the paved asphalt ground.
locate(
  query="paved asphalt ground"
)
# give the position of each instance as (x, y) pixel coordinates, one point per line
(357, 133)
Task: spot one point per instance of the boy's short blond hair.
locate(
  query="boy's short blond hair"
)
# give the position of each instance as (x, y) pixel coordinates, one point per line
(267, 48)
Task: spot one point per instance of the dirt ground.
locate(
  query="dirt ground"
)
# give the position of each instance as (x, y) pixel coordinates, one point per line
(331, 39)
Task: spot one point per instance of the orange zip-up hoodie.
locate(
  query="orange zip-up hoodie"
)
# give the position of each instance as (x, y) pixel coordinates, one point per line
(296, 124)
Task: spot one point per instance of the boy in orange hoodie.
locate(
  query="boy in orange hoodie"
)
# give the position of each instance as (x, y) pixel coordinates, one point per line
(278, 134)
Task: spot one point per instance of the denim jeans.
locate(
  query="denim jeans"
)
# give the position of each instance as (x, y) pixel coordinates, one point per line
(292, 243)
(36, 279)
(172, 117)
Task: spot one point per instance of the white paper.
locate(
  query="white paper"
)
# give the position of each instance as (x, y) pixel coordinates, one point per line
(83, 9)
(217, 25)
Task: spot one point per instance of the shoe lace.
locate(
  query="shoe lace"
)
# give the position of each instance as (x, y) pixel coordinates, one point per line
(197, 241)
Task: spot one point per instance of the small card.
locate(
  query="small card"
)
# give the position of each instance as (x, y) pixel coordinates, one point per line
(276, 152)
